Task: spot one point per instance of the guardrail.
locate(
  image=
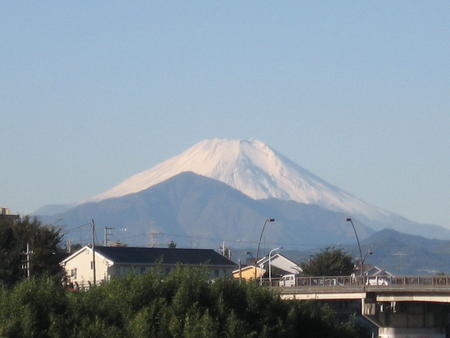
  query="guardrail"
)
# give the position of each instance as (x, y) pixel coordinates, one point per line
(359, 282)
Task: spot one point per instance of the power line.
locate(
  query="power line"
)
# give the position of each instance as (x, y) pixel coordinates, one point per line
(65, 231)
(196, 237)
(238, 241)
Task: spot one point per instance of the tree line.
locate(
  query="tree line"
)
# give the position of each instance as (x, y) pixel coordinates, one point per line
(183, 303)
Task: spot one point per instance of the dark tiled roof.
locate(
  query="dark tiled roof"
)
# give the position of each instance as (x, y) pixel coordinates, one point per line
(136, 255)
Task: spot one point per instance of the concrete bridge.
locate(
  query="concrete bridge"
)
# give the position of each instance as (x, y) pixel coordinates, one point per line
(400, 306)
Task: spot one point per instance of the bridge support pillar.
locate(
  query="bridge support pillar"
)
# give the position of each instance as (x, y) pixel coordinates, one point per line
(407, 319)
(390, 332)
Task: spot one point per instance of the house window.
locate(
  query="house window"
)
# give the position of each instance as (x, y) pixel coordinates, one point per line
(73, 273)
(142, 269)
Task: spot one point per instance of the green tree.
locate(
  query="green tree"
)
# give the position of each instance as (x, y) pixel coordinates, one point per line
(43, 242)
(329, 262)
(35, 308)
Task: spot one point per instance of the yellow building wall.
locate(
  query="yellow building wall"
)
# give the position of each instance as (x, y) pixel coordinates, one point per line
(248, 273)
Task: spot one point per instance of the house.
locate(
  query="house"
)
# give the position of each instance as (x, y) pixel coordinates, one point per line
(5, 213)
(374, 275)
(280, 265)
(248, 272)
(371, 270)
(116, 261)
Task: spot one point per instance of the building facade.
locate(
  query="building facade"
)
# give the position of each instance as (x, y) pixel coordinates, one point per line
(112, 262)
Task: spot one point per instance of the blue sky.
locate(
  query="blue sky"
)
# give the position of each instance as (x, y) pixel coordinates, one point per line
(357, 92)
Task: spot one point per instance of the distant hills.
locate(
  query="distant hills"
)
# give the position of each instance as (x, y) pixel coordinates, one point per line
(408, 254)
(396, 252)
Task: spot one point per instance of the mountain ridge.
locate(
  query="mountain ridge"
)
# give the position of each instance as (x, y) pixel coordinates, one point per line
(196, 206)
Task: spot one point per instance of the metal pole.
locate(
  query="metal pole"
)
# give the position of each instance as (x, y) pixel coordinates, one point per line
(270, 269)
(69, 246)
(261, 274)
(260, 237)
(93, 251)
(270, 265)
(28, 253)
(240, 271)
(106, 233)
(361, 270)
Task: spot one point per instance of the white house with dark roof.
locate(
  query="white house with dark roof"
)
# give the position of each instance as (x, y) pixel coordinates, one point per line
(117, 261)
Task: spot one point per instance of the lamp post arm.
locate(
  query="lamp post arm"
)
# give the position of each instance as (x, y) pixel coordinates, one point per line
(260, 237)
(359, 247)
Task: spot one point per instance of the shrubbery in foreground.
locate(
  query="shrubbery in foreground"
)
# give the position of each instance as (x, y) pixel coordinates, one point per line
(181, 304)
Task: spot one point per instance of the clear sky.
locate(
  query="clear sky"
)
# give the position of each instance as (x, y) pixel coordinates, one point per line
(358, 92)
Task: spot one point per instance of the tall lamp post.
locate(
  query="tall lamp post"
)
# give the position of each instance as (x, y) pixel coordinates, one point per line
(361, 261)
(268, 220)
(270, 266)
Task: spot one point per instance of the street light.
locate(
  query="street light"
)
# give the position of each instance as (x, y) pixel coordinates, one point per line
(268, 220)
(270, 267)
(359, 247)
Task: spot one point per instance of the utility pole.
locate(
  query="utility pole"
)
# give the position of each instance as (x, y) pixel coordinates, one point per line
(69, 246)
(240, 271)
(153, 242)
(28, 253)
(106, 233)
(93, 251)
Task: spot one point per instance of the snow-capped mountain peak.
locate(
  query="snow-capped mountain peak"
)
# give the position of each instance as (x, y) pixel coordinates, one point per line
(253, 168)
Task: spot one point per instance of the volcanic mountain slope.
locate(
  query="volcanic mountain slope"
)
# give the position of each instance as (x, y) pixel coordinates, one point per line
(198, 211)
(260, 172)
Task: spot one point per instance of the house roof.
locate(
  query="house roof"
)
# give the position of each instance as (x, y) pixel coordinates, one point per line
(140, 255)
(373, 270)
(249, 267)
(281, 262)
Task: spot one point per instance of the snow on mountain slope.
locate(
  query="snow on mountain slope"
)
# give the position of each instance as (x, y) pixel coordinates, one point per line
(253, 168)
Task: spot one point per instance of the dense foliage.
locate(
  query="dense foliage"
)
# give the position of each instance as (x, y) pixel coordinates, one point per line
(182, 304)
(329, 262)
(43, 242)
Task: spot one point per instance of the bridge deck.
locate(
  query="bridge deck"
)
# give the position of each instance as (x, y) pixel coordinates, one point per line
(399, 288)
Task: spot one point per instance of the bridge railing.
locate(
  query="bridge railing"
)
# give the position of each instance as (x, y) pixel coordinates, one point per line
(359, 281)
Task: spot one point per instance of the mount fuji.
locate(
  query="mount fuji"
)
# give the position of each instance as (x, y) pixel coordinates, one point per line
(253, 179)
(260, 172)
(254, 169)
